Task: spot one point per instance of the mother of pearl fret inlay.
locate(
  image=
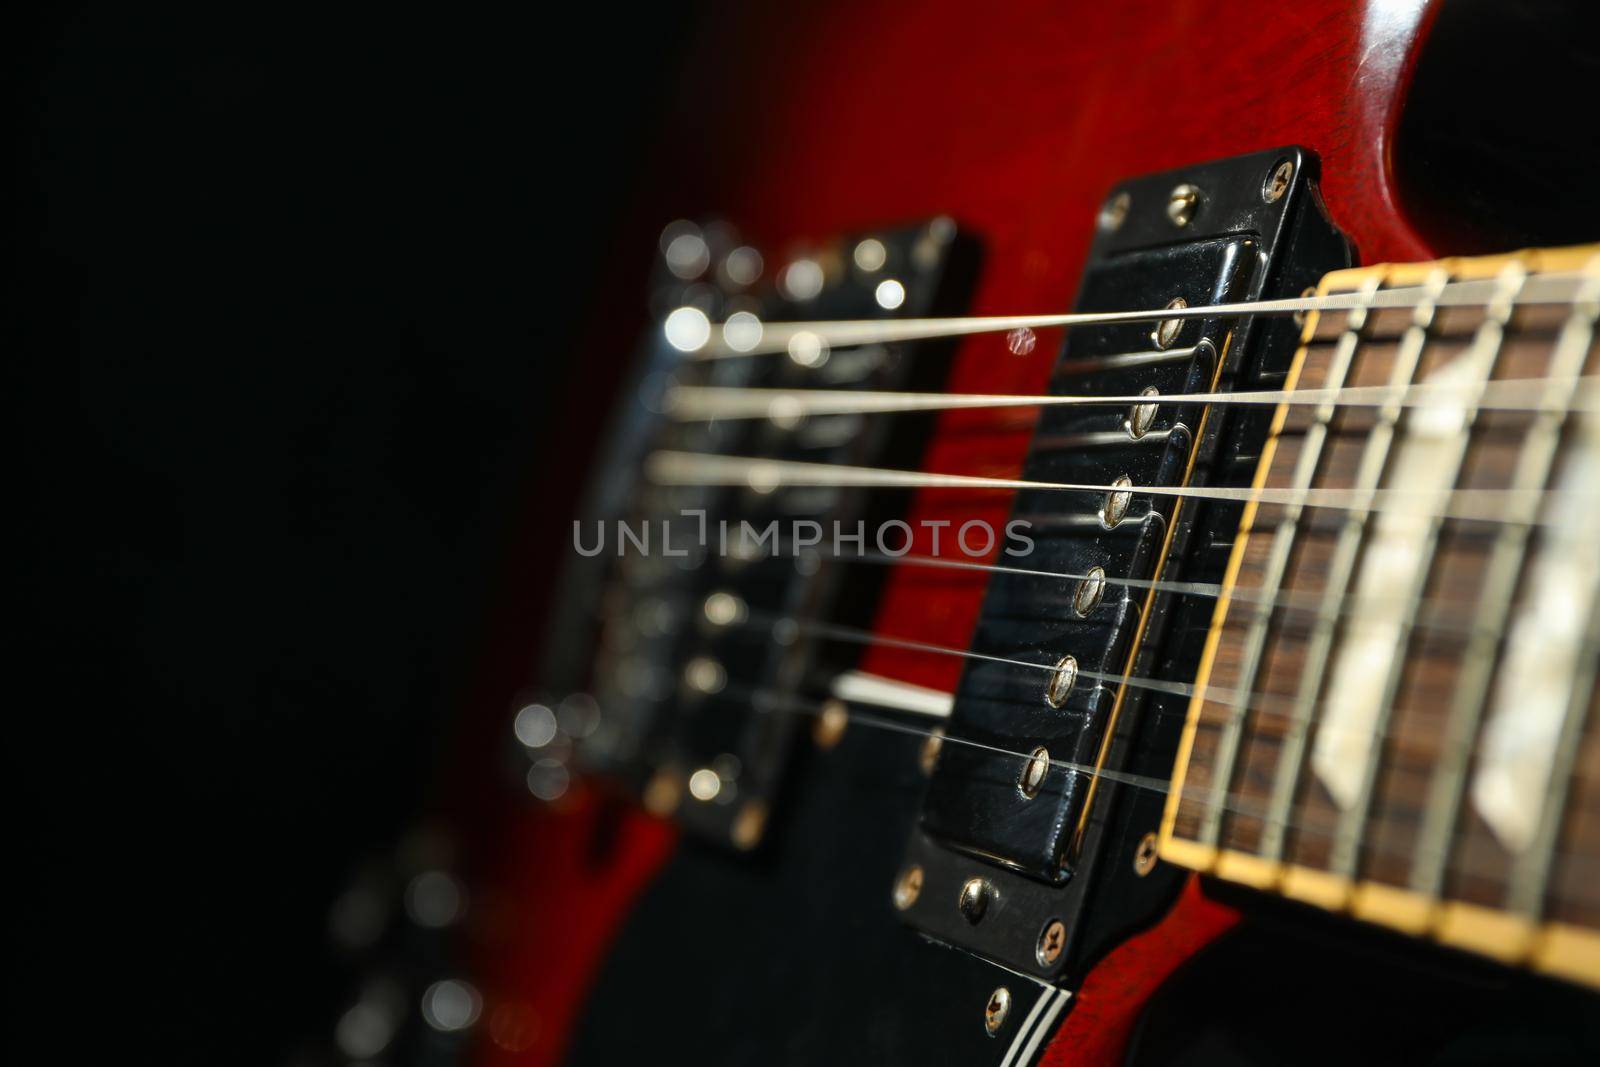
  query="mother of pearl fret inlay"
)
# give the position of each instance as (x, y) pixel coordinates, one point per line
(1374, 637)
(1396, 713)
(1534, 464)
(1541, 660)
(1397, 556)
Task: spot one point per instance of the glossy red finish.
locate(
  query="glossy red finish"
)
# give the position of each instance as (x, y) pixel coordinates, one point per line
(800, 121)
(1106, 1007)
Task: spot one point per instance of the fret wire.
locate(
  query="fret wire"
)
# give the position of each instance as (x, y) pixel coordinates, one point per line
(1530, 875)
(1319, 645)
(1567, 562)
(1535, 461)
(1480, 360)
(1227, 750)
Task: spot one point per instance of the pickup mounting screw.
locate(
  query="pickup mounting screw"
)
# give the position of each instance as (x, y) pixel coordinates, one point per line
(1277, 182)
(1182, 203)
(1034, 772)
(1051, 941)
(1114, 211)
(908, 887)
(974, 900)
(1305, 294)
(996, 1009)
(1166, 330)
(1144, 857)
(1062, 679)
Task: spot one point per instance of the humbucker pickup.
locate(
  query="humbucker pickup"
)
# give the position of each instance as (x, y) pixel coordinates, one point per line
(1075, 705)
(705, 590)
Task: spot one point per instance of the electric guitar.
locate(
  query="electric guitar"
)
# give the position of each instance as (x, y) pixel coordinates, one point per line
(1095, 560)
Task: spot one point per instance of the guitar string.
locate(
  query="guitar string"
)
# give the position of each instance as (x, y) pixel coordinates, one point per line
(840, 633)
(699, 403)
(698, 469)
(764, 700)
(1555, 287)
(839, 333)
(1264, 703)
(767, 701)
(1436, 616)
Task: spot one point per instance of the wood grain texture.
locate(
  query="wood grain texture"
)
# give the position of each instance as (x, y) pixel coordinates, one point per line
(1472, 887)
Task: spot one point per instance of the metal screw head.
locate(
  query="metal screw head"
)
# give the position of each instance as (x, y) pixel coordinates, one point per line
(928, 758)
(996, 1009)
(974, 900)
(1305, 294)
(1034, 772)
(1052, 940)
(1182, 203)
(1114, 211)
(1142, 416)
(1277, 182)
(830, 724)
(1115, 508)
(1166, 330)
(1062, 679)
(1089, 591)
(1144, 857)
(907, 887)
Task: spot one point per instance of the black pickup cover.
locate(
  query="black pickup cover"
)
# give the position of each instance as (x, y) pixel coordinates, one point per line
(1039, 856)
(631, 663)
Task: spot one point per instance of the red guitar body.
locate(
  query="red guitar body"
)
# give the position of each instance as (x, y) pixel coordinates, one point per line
(796, 123)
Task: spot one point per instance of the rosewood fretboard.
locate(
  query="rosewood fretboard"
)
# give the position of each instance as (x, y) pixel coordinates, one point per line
(1395, 715)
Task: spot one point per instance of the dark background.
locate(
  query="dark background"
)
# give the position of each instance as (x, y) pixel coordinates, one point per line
(313, 311)
(303, 296)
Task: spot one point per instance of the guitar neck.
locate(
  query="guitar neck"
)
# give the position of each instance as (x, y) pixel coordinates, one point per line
(1395, 714)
